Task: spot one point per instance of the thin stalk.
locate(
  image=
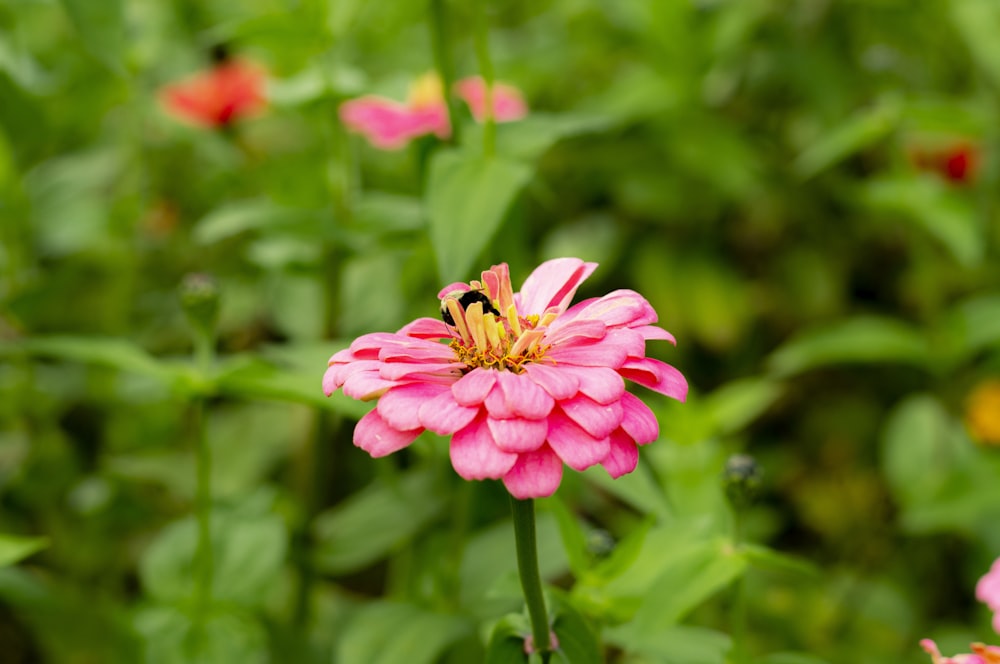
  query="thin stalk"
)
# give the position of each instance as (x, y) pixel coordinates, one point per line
(523, 512)
(203, 501)
(441, 45)
(482, 44)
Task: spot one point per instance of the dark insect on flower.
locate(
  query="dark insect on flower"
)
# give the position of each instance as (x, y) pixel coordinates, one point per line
(466, 298)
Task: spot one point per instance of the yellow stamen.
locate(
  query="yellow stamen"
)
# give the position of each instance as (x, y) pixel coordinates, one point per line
(457, 315)
(474, 317)
(490, 323)
(515, 324)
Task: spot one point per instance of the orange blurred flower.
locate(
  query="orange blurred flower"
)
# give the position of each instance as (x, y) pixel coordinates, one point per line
(215, 98)
(982, 412)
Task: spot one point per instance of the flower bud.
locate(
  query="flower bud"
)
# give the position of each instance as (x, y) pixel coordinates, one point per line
(199, 295)
(742, 479)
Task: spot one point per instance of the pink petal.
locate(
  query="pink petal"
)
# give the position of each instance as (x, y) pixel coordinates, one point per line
(427, 328)
(329, 386)
(652, 332)
(620, 308)
(375, 436)
(366, 385)
(399, 406)
(472, 388)
(638, 421)
(368, 346)
(601, 384)
(497, 405)
(656, 375)
(988, 587)
(400, 370)
(591, 355)
(598, 420)
(558, 383)
(508, 105)
(387, 124)
(578, 331)
(408, 349)
(475, 456)
(444, 416)
(553, 284)
(518, 434)
(574, 445)
(535, 474)
(623, 457)
(524, 396)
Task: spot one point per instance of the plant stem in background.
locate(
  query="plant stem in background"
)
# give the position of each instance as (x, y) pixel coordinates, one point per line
(481, 38)
(523, 512)
(441, 43)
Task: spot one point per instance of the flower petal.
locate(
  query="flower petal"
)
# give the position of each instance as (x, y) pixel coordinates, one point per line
(524, 396)
(517, 435)
(601, 384)
(475, 456)
(638, 421)
(444, 416)
(552, 284)
(620, 308)
(375, 436)
(575, 446)
(598, 354)
(400, 405)
(656, 375)
(598, 420)
(623, 457)
(535, 474)
(558, 383)
(427, 328)
(400, 370)
(366, 385)
(652, 332)
(579, 331)
(472, 388)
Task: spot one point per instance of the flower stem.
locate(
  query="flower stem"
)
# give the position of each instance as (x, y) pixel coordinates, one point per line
(523, 512)
(203, 555)
(482, 34)
(441, 44)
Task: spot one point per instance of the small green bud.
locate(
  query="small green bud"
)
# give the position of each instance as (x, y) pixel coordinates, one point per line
(200, 299)
(742, 479)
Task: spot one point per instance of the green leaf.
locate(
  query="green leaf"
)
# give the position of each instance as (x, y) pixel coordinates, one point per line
(241, 216)
(571, 531)
(688, 580)
(738, 403)
(467, 198)
(857, 133)
(864, 339)
(673, 645)
(171, 636)
(101, 26)
(972, 326)
(577, 642)
(248, 551)
(395, 633)
(978, 21)
(253, 378)
(14, 548)
(104, 351)
(506, 644)
(769, 559)
(932, 206)
(372, 522)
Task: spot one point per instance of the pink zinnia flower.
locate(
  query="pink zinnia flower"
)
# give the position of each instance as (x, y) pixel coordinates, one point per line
(214, 98)
(390, 125)
(508, 104)
(523, 382)
(983, 654)
(988, 592)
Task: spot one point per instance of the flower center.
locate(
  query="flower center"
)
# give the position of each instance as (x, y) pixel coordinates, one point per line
(487, 340)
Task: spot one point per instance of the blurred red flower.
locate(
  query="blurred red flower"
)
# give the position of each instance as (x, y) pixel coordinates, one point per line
(957, 162)
(230, 90)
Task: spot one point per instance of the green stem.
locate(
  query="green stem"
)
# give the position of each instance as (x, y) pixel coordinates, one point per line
(204, 563)
(523, 512)
(482, 35)
(441, 42)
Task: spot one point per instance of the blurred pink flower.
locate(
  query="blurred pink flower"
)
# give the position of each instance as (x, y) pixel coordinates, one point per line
(230, 90)
(988, 592)
(508, 104)
(523, 381)
(983, 654)
(390, 125)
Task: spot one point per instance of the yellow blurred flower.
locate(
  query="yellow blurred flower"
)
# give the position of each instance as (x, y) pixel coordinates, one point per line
(982, 413)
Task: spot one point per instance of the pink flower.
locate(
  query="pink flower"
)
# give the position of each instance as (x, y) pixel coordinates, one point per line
(523, 382)
(390, 125)
(983, 654)
(508, 104)
(988, 592)
(214, 98)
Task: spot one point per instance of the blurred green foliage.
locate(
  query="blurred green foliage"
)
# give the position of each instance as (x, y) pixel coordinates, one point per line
(805, 191)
